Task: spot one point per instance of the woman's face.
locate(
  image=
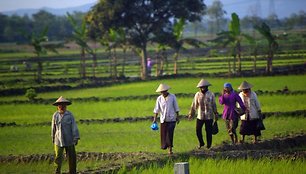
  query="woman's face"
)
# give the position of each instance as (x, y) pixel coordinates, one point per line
(246, 91)
(227, 90)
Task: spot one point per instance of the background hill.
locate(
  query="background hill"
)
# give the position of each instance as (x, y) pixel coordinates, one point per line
(55, 11)
(262, 8)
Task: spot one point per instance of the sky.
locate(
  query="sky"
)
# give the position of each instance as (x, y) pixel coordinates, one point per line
(263, 8)
(8, 5)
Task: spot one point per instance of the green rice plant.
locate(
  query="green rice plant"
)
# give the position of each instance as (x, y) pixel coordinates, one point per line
(47, 166)
(278, 103)
(41, 113)
(227, 166)
(25, 168)
(179, 85)
(131, 137)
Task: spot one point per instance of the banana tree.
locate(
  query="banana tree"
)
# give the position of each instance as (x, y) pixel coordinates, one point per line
(265, 30)
(234, 37)
(120, 41)
(41, 46)
(178, 42)
(112, 40)
(80, 37)
(161, 59)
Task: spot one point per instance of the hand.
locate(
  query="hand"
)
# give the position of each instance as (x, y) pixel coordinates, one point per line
(216, 117)
(154, 119)
(189, 117)
(223, 91)
(75, 142)
(261, 116)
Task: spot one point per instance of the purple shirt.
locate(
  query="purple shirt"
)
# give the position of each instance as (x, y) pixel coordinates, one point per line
(229, 102)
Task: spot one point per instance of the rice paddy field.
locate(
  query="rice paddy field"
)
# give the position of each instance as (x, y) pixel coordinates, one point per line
(105, 129)
(114, 120)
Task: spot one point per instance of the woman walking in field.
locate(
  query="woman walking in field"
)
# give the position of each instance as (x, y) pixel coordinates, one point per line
(252, 116)
(229, 98)
(166, 105)
(204, 105)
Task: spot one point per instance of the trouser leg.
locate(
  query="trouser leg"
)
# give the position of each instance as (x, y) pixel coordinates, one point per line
(170, 133)
(71, 154)
(58, 159)
(208, 129)
(163, 135)
(199, 126)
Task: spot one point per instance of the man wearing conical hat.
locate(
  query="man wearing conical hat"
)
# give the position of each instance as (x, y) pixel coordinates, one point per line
(65, 135)
(252, 116)
(166, 106)
(204, 106)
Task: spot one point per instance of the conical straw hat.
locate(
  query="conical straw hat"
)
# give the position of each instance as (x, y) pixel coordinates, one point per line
(245, 85)
(61, 100)
(162, 87)
(203, 83)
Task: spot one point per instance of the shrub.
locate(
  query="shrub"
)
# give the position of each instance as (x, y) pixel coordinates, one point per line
(31, 94)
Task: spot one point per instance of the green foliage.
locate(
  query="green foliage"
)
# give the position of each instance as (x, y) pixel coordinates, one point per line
(234, 25)
(79, 33)
(265, 30)
(142, 21)
(31, 94)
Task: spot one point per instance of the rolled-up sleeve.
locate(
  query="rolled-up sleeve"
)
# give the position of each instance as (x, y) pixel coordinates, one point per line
(221, 99)
(157, 106)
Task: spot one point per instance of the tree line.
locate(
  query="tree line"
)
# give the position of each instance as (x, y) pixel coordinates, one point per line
(12, 27)
(134, 24)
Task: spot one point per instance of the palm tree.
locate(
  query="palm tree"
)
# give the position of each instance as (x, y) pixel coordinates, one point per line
(120, 41)
(234, 36)
(112, 40)
(41, 46)
(265, 30)
(80, 37)
(161, 59)
(178, 42)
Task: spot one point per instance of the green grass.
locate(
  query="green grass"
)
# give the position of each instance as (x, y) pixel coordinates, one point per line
(129, 137)
(180, 85)
(38, 113)
(227, 166)
(54, 65)
(137, 136)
